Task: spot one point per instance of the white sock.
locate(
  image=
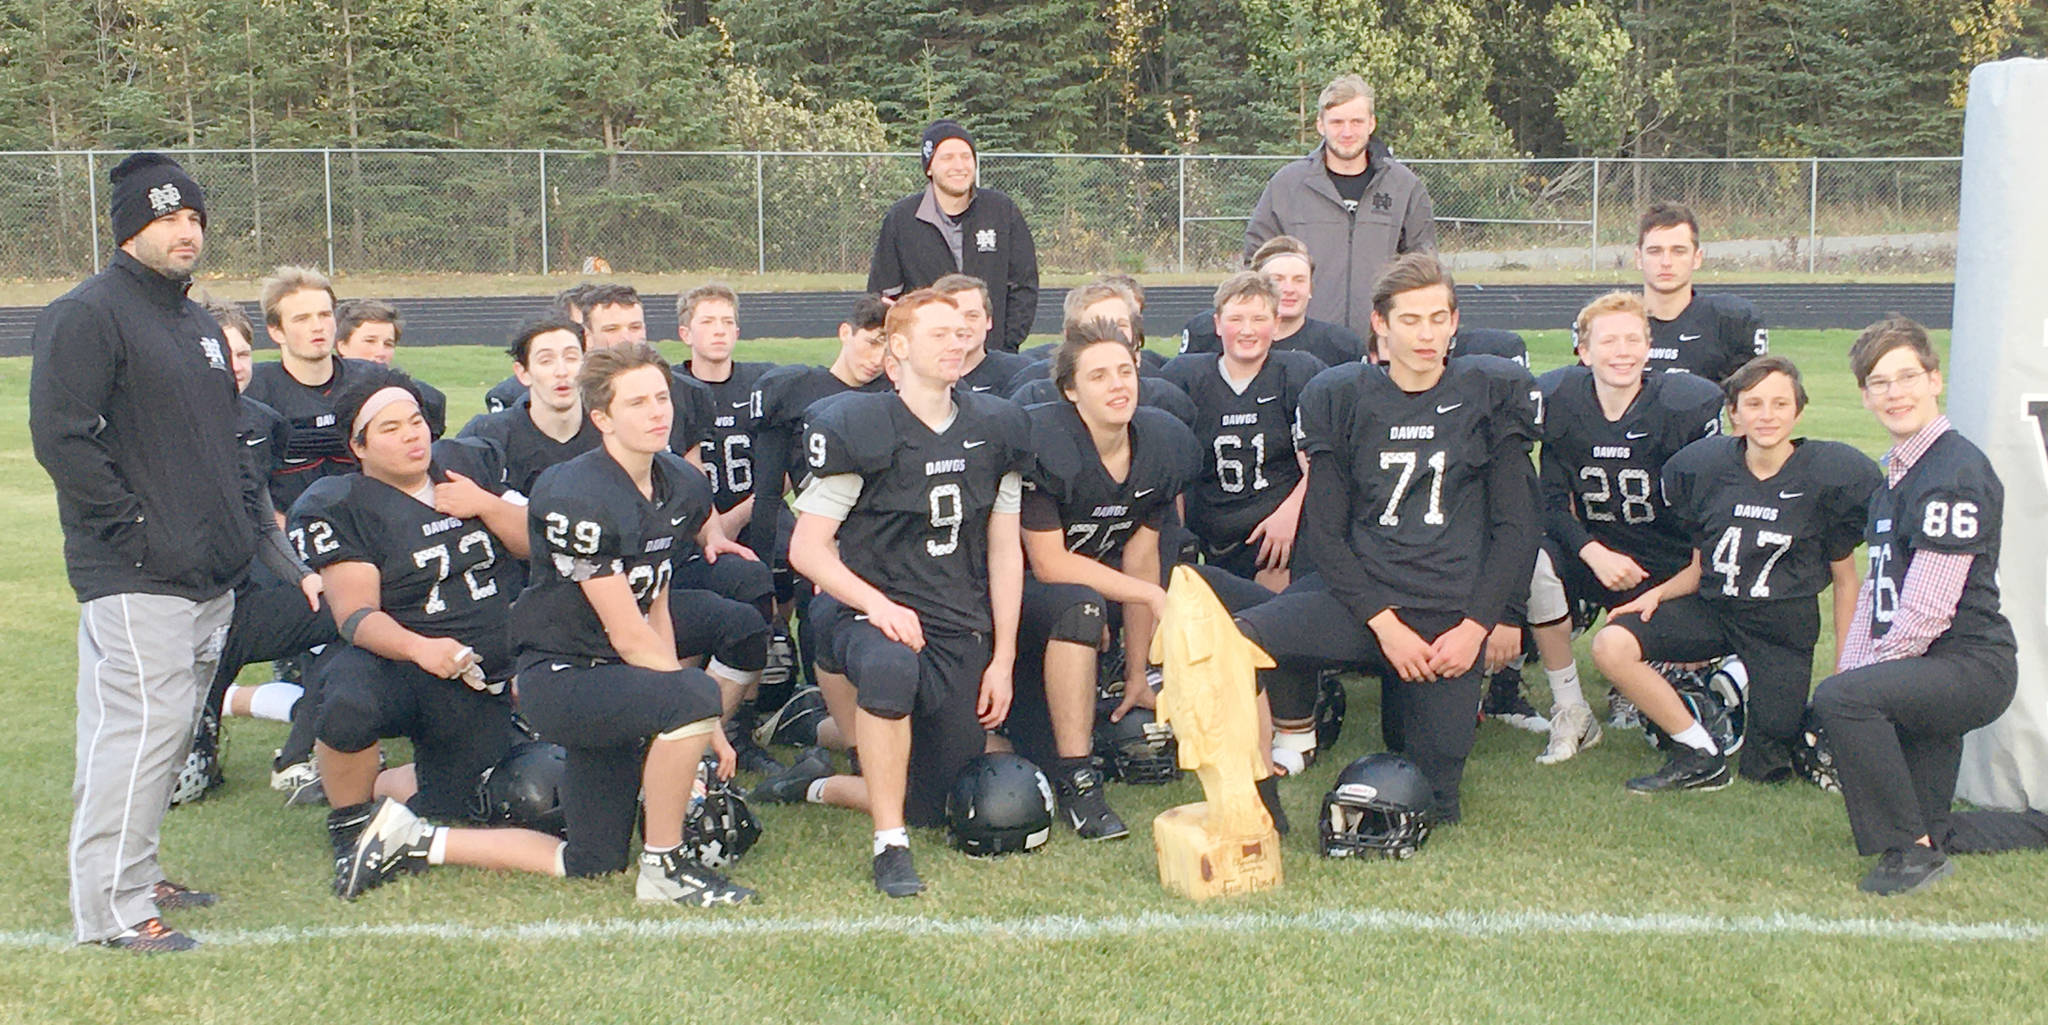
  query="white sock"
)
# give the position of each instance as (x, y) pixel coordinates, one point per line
(1697, 738)
(562, 860)
(898, 837)
(1564, 686)
(272, 701)
(815, 793)
(437, 848)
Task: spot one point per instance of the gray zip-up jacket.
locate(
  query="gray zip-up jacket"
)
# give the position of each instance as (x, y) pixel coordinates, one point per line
(1349, 247)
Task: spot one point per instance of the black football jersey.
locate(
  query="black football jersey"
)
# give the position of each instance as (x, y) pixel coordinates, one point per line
(1067, 488)
(728, 453)
(1418, 466)
(1950, 501)
(440, 576)
(992, 376)
(692, 405)
(1488, 341)
(1333, 344)
(263, 434)
(316, 445)
(433, 407)
(1600, 476)
(1768, 540)
(1713, 337)
(524, 449)
(919, 531)
(781, 398)
(586, 520)
(504, 394)
(1153, 391)
(1247, 440)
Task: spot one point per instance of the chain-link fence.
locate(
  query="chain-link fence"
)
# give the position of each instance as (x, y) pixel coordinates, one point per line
(528, 211)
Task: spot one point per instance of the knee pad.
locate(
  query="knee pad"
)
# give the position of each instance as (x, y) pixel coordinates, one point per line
(1081, 622)
(348, 721)
(743, 639)
(885, 679)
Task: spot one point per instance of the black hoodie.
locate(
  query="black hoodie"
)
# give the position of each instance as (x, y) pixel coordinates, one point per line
(133, 412)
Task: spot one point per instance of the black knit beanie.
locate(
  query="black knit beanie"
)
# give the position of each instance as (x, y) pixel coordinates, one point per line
(940, 131)
(148, 186)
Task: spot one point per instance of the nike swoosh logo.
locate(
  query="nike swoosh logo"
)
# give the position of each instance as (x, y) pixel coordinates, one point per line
(1790, 494)
(1688, 338)
(972, 444)
(558, 666)
(1142, 493)
(678, 521)
(1636, 435)
(253, 442)
(742, 404)
(979, 388)
(1445, 409)
(1267, 399)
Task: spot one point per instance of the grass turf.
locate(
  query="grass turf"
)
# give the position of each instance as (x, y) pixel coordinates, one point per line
(1561, 898)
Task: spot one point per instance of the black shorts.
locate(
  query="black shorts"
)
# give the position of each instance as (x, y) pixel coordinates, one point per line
(731, 631)
(456, 732)
(1582, 588)
(603, 716)
(1775, 640)
(937, 688)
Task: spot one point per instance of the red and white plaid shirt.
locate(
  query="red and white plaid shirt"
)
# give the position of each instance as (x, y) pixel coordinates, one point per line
(1933, 587)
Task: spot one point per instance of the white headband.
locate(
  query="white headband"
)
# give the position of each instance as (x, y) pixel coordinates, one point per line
(375, 404)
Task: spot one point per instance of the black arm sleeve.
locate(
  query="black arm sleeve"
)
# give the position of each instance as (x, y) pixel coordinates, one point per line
(1511, 543)
(1325, 520)
(771, 462)
(1558, 519)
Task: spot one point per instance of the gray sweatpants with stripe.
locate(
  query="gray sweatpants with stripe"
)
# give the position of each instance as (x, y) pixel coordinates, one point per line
(144, 662)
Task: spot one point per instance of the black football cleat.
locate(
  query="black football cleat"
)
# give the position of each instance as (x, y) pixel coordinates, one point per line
(1083, 805)
(153, 936)
(895, 876)
(1689, 768)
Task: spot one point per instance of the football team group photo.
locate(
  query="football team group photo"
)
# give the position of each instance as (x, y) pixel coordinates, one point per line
(1010, 601)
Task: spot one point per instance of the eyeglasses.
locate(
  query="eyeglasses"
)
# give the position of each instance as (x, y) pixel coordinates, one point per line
(1883, 385)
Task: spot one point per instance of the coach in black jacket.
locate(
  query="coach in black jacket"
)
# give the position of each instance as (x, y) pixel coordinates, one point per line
(133, 411)
(953, 226)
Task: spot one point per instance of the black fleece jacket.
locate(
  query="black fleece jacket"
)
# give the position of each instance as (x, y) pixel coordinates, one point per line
(133, 412)
(995, 246)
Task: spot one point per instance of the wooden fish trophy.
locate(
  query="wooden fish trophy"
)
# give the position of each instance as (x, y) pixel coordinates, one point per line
(1226, 844)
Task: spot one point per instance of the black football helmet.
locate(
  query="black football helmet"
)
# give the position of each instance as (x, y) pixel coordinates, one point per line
(1138, 749)
(525, 789)
(1001, 803)
(719, 828)
(1811, 758)
(1379, 808)
(1718, 698)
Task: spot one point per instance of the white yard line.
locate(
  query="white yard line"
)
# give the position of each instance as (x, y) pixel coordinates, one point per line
(1059, 928)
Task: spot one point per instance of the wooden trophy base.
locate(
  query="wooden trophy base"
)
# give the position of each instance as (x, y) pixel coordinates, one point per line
(1195, 863)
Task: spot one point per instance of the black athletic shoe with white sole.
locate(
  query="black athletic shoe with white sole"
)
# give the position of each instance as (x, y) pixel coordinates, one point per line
(395, 841)
(1900, 872)
(1083, 805)
(895, 876)
(791, 785)
(674, 877)
(1689, 768)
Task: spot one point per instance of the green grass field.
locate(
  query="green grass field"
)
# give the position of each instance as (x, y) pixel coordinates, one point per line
(1561, 897)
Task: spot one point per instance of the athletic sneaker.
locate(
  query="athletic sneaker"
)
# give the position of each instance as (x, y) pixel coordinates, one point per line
(395, 841)
(1505, 702)
(1622, 713)
(1907, 871)
(1269, 792)
(1573, 728)
(895, 876)
(1085, 808)
(795, 724)
(169, 896)
(750, 756)
(294, 776)
(153, 936)
(676, 878)
(790, 785)
(1689, 768)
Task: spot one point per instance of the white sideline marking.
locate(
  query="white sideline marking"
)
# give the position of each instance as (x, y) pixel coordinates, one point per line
(1065, 928)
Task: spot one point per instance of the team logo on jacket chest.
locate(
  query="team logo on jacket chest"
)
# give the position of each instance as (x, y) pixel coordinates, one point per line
(985, 240)
(1382, 203)
(211, 347)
